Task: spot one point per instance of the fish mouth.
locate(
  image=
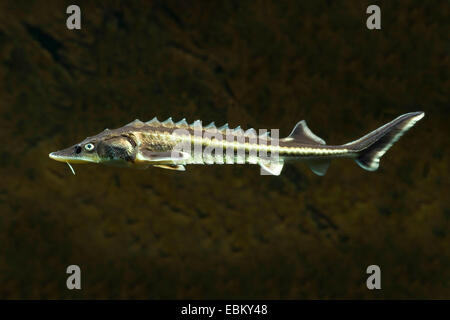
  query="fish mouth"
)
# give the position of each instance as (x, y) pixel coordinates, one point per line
(62, 156)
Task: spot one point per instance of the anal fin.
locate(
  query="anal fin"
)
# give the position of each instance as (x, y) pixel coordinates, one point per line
(319, 167)
(177, 167)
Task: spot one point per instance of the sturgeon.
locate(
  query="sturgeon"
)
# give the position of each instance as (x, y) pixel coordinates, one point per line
(171, 145)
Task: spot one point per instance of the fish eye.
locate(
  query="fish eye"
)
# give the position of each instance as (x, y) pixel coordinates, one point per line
(89, 147)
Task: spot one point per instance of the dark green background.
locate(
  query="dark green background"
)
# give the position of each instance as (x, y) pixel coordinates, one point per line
(224, 231)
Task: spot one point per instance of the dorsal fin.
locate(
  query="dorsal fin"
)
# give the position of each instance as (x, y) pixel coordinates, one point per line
(301, 133)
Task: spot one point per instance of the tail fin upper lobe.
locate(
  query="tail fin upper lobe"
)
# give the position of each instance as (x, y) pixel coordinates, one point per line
(374, 145)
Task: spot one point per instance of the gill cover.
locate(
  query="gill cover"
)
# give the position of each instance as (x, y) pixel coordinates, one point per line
(117, 148)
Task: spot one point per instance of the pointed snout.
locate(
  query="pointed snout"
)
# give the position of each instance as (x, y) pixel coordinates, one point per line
(69, 155)
(54, 156)
(63, 157)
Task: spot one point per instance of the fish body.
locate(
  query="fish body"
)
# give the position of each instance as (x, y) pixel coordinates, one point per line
(171, 145)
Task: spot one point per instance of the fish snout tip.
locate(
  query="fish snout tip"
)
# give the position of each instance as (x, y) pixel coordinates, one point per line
(56, 156)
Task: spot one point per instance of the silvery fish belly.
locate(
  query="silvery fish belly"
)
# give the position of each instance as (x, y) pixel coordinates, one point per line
(171, 145)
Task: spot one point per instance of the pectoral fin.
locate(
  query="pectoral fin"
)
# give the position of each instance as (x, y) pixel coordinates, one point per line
(171, 167)
(148, 156)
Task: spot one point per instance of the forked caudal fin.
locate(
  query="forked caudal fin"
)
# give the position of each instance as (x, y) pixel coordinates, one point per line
(373, 146)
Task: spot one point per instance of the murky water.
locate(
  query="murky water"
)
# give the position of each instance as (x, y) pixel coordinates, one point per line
(223, 231)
